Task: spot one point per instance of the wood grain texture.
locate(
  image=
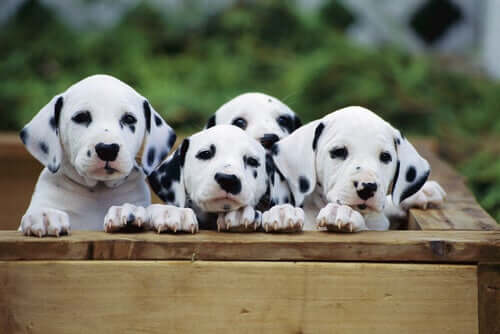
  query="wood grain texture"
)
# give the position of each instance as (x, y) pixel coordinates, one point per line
(236, 297)
(460, 211)
(393, 246)
(489, 298)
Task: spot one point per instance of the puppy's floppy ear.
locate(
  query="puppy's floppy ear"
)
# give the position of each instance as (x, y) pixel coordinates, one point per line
(411, 172)
(167, 181)
(295, 158)
(41, 135)
(160, 138)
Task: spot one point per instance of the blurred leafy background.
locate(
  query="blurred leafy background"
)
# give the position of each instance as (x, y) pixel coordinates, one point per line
(305, 59)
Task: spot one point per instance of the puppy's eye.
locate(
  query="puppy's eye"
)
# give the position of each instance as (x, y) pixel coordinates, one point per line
(385, 157)
(206, 154)
(285, 121)
(240, 122)
(339, 153)
(83, 117)
(128, 119)
(252, 162)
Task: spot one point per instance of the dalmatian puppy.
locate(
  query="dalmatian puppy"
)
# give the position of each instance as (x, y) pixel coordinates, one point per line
(266, 119)
(88, 138)
(263, 117)
(342, 167)
(218, 175)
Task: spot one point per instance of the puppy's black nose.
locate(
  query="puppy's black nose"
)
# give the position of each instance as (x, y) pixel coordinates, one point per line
(268, 139)
(229, 182)
(107, 152)
(367, 190)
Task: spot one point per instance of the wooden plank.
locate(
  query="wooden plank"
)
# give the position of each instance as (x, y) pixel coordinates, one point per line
(489, 298)
(460, 211)
(236, 297)
(392, 246)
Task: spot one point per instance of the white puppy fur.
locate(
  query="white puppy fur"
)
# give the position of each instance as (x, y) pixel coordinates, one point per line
(220, 172)
(342, 167)
(266, 119)
(88, 138)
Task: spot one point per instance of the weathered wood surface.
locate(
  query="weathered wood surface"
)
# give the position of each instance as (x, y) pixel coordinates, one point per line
(392, 246)
(489, 298)
(460, 211)
(236, 297)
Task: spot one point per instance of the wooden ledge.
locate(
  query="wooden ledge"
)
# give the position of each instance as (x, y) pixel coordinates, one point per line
(392, 246)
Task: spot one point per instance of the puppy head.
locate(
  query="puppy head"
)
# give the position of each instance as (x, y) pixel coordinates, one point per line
(218, 169)
(263, 117)
(96, 128)
(355, 157)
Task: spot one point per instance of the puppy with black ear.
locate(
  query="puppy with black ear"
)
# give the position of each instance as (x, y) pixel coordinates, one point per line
(266, 119)
(221, 174)
(88, 138)
(343, 166)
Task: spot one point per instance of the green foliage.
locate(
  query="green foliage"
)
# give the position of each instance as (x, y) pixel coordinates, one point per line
(304, 59)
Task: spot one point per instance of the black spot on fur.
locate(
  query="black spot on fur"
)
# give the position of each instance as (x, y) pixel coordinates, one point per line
(89, 153)
(54, 120)
(147, 115)
(24, 136)
(414, 187)
(170, 197)
(43, 147)
(303, 184)
(255, 174)
(396, 175)
(275, 149)
(411, 174)
(151, 156)
(286, 199)
(270, 168)
(184, 148)
(171, 140)
(297, 123)
(163, 155)
(269, 100)
(132, 128)
(130, 219)
(158, 121)
(211, 122)
(317, 134)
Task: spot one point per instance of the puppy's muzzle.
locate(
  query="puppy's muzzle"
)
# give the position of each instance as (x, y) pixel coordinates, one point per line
(366, 190)
(107, 152)
(228, 182)
(268, 140)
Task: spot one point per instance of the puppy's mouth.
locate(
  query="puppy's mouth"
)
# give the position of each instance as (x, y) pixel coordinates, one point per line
(222, 203)
(109, 170)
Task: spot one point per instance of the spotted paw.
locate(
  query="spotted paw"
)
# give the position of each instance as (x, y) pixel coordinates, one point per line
(340, 218)
(245, 219)
(163, 218)
(283, 218)
(119, 218)
(44, 222)
(432, 195)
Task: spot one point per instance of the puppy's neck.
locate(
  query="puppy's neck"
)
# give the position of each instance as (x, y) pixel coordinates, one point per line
(70, 172)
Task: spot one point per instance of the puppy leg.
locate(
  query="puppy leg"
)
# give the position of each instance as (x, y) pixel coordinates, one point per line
(127, 215)
(45, 221)
(340, 218)
(172, 218)
(431, 195)
(245, 219)
(283, 218)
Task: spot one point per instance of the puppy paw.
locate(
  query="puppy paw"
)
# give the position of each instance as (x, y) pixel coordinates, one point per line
(164, 218)
(245, 219)
(340, 218)
(119, 218)
(44, 222)
(283, 218)
(431, 195)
